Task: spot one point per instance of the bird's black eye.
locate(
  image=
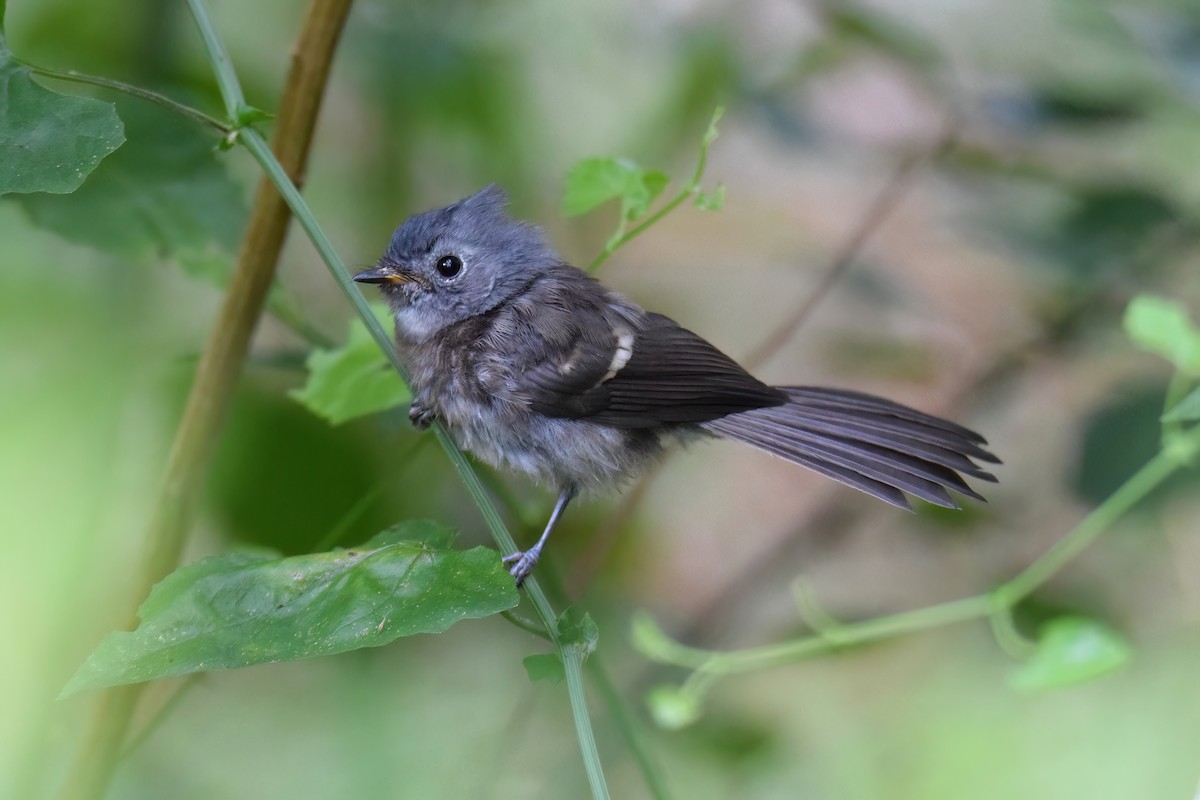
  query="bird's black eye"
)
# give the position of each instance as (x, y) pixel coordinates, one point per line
(449, 266)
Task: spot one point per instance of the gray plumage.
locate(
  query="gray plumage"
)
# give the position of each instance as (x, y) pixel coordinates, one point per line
(536, 367)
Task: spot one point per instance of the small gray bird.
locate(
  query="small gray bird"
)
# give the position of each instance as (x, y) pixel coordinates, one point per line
(534, 366)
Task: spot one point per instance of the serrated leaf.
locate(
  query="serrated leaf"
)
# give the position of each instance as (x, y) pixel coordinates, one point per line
(1071, 650)
(50, 142)
(1186, 410)
(671, 707)
(544, 667)
(578, 630)
(164, 194)
(242, 609)
(353, 380)
(1163, 327)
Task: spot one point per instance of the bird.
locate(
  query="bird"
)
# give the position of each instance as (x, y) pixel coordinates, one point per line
(536, 367)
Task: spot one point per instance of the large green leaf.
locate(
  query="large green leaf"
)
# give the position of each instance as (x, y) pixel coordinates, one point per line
(353, 380)
(165, 193)
(49, 142)
(241, 609)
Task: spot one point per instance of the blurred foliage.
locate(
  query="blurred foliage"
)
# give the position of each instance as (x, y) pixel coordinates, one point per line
(1074, 124)
(1118, 438)
(163, 194)
(284, 479)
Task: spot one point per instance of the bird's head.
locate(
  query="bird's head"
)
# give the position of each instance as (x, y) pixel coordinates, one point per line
(452, 263)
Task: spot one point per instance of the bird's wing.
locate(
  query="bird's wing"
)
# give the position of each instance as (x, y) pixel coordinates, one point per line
(638, 375)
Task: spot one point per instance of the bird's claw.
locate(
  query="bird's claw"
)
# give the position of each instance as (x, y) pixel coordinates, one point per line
(522, 563)
(420, 416)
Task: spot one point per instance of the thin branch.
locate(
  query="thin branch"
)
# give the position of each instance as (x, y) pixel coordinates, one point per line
(134, 91)
(884, 204)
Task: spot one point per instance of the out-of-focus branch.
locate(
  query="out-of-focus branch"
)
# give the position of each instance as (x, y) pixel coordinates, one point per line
(216, 376)
(884, 204)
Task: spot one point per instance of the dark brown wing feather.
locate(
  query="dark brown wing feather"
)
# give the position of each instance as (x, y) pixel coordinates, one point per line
(672, 377)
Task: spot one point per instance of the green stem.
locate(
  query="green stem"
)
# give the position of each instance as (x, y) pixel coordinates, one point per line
(572, 657)
(856, 633)
(707, 664)
(134, 91)
(1176, 389)
(262, 153)
(690, 188)
(218, 57)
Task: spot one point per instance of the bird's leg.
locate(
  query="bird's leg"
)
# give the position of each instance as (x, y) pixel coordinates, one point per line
(523, 563)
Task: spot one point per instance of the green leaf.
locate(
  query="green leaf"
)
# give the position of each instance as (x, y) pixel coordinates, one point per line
(648, 185)
(1163, 327)
(353, 380)
(593, 181)
(1071, 650)
(711, 201)
(248, 115)
(413, 531)
(241, 609)
(1186, 410)
(578, 630)
(544, 667)
(165, 193)
(672, 708)
(597, 180)
(50, 142)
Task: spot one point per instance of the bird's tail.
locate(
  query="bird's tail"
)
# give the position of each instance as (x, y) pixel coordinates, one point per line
(871, 444)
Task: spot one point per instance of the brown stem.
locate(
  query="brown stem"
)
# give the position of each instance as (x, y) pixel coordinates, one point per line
(216, 376)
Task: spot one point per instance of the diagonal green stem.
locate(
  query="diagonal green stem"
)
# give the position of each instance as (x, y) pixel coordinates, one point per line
(572, 664)
(258, 148)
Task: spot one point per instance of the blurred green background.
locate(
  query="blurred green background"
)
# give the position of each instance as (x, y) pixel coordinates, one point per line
(992, 294)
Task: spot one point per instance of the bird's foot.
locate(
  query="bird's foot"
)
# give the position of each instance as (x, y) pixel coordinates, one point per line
(521, 564)
(420, 416)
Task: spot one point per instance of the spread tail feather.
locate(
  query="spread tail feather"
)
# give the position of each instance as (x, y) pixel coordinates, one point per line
(874, 445)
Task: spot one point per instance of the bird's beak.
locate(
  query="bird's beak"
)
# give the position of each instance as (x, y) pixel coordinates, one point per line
(383, 274)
